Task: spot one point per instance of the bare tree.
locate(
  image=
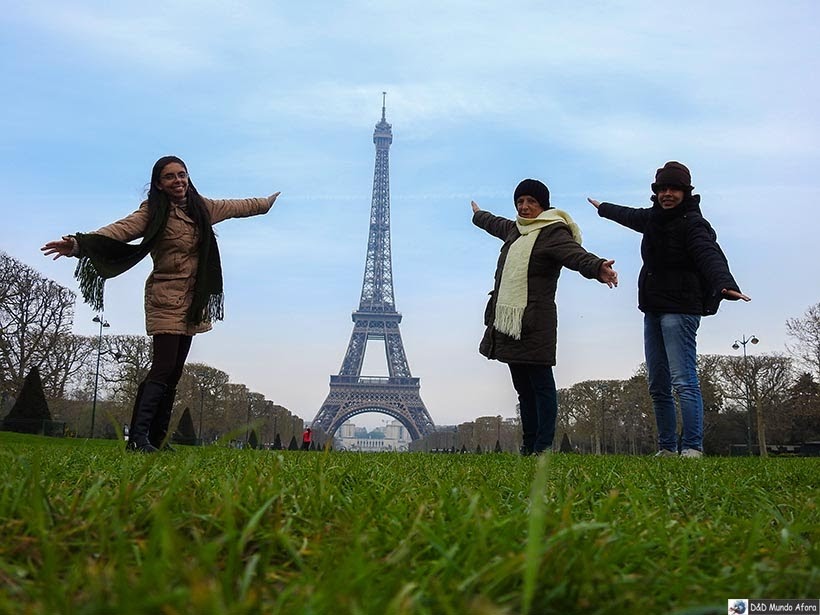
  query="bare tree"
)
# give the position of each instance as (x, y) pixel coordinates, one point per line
(635, 406)
(234, 410)
(36, 315)
(588, 407)
(806, 334)
(65, 367)
(575, 417)
(762, 381)
(127, 361)
(803, 405)
(201, 387)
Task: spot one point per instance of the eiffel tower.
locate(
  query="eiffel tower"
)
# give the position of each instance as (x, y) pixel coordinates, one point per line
(396, 395)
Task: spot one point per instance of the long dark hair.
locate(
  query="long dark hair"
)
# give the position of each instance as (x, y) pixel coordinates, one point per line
(196, 206)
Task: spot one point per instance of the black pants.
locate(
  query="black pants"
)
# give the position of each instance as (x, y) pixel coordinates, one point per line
(170, 353)
(538, 401)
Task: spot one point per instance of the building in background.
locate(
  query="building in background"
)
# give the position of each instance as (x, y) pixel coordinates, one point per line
(391, 437)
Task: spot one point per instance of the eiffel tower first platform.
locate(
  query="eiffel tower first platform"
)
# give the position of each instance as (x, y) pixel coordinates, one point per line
(396, 395)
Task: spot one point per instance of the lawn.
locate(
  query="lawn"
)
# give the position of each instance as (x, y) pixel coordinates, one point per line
(88, 528)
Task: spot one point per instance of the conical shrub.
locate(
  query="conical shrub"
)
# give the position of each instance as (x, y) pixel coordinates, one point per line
(30, 413)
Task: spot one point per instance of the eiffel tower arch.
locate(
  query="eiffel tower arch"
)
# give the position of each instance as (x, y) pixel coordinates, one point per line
(351, 393)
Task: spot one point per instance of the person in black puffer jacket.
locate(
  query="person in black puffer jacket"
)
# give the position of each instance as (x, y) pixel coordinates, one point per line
(684, 276)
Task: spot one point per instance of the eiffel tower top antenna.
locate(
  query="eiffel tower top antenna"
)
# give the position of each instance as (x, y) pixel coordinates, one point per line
(377, 287)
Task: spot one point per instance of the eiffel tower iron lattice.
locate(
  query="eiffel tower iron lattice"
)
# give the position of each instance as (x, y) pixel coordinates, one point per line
(396, 395)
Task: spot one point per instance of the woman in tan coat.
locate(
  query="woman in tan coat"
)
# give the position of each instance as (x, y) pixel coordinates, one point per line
(183, 293)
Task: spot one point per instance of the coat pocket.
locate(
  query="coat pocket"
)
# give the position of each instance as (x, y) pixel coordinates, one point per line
(166, 290)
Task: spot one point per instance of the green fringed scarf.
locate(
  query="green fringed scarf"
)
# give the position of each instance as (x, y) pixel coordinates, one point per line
(102, 258)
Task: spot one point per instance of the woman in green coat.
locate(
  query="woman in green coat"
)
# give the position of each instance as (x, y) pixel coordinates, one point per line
(521, 315)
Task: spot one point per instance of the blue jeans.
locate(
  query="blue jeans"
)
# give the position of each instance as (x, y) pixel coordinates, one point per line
(671, 363)
(538, 401)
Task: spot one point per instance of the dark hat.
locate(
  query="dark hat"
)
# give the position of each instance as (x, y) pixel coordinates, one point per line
(535, 189)
(673, 174)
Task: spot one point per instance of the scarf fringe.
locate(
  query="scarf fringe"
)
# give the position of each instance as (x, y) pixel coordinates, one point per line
(216, 307)
(508, 320)
(92, 285)
(213, 310)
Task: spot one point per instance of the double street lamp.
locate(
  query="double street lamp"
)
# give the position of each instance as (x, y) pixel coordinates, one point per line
(738, 343)
(103, 323)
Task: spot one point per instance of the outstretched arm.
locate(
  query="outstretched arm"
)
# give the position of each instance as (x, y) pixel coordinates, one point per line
(631, 217)
(222, 209)
(711, 261)
(494, 225)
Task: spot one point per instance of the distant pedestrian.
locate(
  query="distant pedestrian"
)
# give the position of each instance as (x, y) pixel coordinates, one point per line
(183, 293)
(307, 438)
(521, 315)
(684, 276)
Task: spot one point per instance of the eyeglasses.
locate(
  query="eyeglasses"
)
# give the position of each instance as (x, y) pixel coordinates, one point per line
(169, 177)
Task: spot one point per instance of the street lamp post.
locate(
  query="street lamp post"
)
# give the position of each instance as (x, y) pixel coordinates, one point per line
(602, 389)
(738, 343)
(201, 410)
(103, 323)
(248, 428)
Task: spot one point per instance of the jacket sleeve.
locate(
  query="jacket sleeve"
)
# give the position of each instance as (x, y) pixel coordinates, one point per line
(711, 262)
(129, 228)
(494, 225)
(631, 217)
(222, 209)
(570, 254)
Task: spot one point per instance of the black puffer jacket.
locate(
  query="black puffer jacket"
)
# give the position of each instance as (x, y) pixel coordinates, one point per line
(684, 269)
(554, 248)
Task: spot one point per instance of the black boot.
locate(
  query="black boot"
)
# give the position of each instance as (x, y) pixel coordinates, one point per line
(134, 414)
(159, 426)
(528, 444)
(148, 402)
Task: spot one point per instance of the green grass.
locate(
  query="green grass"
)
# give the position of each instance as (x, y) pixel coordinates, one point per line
(87, 528)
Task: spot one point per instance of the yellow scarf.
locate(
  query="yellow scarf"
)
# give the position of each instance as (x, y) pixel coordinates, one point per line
(512, 292)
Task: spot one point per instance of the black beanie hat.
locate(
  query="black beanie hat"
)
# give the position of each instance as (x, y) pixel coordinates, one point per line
(535, 189)
(673, 174)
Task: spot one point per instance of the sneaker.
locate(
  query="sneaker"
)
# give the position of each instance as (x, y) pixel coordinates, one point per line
(666, 453)
(692, 453)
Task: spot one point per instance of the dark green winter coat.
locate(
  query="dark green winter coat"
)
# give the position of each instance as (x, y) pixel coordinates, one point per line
(554, 248)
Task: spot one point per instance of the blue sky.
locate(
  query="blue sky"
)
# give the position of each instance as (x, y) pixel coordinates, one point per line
(262, 96)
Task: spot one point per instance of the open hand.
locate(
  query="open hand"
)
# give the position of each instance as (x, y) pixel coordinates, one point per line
(607, 275)
(734, 295)
(62, 247)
